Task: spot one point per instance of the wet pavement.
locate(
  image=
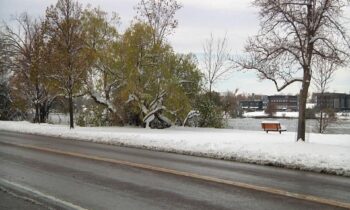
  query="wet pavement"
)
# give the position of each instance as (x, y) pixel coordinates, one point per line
(92, 184)
(11, 201)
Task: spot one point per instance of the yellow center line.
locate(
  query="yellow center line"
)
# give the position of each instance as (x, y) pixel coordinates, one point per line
(270, 190)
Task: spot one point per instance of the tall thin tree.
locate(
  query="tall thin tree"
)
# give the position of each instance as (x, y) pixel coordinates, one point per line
(322, 77)
(216, 61)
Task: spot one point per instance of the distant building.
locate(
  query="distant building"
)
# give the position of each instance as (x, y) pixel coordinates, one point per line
(251, 105)
(265, 100)
(336, 101)
(284, 102)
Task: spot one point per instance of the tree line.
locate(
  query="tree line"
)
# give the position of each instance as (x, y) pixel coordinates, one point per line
(134, 77)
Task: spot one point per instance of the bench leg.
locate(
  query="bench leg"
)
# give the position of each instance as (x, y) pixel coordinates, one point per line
(267, 131)
(280, 132)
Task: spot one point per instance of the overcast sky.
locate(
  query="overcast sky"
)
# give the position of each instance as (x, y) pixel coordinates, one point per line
(197, 20)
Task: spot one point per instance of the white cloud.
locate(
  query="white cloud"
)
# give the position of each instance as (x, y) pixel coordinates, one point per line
(219, 4)
(197, 19)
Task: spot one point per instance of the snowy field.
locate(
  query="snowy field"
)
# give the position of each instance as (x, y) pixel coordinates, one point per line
(327, 153)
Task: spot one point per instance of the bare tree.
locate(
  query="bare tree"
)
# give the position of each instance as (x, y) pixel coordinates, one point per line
(322, 76)
(294, 35)
(160, 15)
(216, 60)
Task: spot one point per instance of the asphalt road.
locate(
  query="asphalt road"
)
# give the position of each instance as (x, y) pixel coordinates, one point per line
(11, 201)
(68, 174)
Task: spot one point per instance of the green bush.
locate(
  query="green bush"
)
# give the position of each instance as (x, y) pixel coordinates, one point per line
(210, 114)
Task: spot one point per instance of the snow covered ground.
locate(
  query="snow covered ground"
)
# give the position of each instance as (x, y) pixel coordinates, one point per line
(341, 126)
(328, 153)
(343, 115)
(258, 114)
(277, 114)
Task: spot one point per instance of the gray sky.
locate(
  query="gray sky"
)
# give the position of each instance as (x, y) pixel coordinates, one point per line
(197, 20)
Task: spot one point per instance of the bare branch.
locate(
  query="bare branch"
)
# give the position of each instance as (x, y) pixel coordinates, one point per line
(295, 38)
(216, 60)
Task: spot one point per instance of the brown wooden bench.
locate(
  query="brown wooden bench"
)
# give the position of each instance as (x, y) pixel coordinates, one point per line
(272, 126)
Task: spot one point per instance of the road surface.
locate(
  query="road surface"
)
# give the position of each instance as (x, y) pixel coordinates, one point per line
(67, 174)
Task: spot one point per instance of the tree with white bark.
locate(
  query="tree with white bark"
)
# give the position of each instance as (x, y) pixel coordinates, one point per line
(294, 35)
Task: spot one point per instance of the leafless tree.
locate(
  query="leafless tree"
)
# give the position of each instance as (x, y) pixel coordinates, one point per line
(160, 15)
(322, 76)
(294, 35)
(216, 60)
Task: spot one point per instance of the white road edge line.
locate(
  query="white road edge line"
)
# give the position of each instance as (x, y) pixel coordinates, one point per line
(43, 195)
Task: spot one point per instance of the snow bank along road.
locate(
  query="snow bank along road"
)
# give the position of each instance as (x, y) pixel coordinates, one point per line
(84, 175)
(323, 153)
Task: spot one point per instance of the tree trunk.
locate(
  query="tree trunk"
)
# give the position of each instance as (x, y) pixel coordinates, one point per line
(210, 87)
(321, 121)
(43, 115)
(44, 112)
(302, 107)
(36, 116)
(71, 120)
(107, 99)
